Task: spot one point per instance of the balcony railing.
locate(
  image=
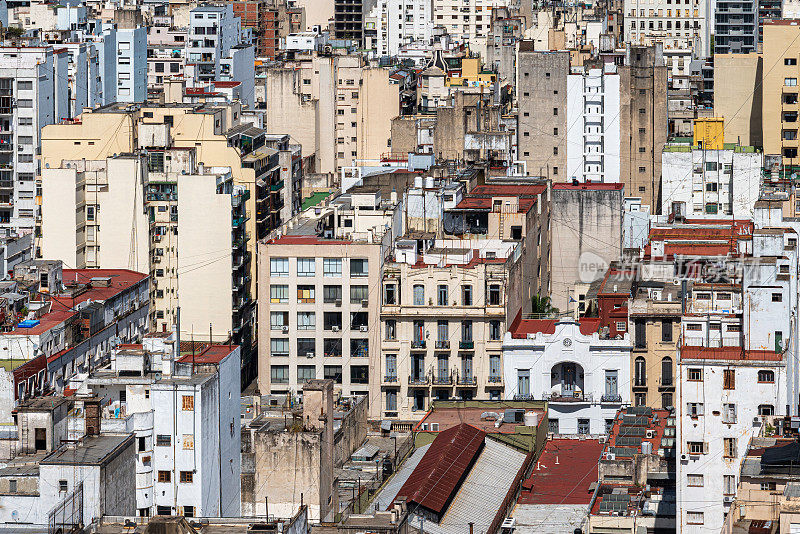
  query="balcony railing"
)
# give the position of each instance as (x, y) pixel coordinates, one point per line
(611, 397)
(467, 380)
(390, 378)
(573, 396)
(418, 380)
(418, 344)
(495, 379)
(443, 380)
(467, 345)
(442, 344)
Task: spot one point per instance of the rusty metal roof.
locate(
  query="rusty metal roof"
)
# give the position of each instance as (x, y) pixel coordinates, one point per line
(436, 479)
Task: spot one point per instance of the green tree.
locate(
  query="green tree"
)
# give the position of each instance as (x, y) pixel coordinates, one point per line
(542, 306)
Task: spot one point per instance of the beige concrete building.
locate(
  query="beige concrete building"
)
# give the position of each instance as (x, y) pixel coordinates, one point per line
(738, 96)
(337, 107)
(443, 320)
(643, 124)
(655, 321)
(779, 115)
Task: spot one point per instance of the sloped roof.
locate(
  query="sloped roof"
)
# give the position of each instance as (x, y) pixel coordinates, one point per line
(436, 479)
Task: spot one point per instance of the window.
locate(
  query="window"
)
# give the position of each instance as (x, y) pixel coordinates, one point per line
(612, 377)
(188, 511)
(306, 347)
(359, 294)
(695, 375)
(790, 61)
(621, 326)
(305, 266)
(359, 348)
(441, 295)
(188, 403)
(391, 366)
(332, 267)
(694, 409)
(187, 477)
(390, 294)
(332, 348)
(495, 333)
(278, 320)
(666, 371)
(306, 321)
(766, 409)
(164, 476)
(359, 267)
(466, 331)
(695, 480)
(391, 400)
(306, 372)
(552, 426)
(279, 374)
(666, 331)
(419, 295)
(332, 294)
(639, 399)
(523, 381)
(305, 294)
(278, 294)
(279, 347)
(728, 379)
(391, 329)
(729, 447)
(333, 372)
(494, 295)
(729, 413)
(790, 82)
(466, 295)
(583, 426)
(767, 486)
(63, 487)
(694, 518)
(279, 266)
(163, 440)
(729, 485)
(359, 374)
(777, 297)
(766, 376)
(696, 447)
(666, 401)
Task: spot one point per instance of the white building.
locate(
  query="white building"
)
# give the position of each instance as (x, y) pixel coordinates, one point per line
(33, 94)
(185, 414)
(131, 76)
(593, 135)
(467, 22)
(698, 183)
(584, 377)
(722, 392)
(674, 26)
(401, 23)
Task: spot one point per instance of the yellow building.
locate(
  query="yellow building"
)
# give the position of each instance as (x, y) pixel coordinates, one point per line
(709, 133)
(781, 53)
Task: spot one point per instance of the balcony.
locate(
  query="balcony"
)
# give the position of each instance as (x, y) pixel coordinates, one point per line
(612, 398)
(391, 379)
(276, 187)
(418, 344)
(443, 380)
(574, 396)
(442, 344)
(418, 380)
(466, 345)
(666, 382)
(467, 380)
(495, 379)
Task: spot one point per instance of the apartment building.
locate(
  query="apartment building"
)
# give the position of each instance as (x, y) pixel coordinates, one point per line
(736, 27)
(593, 135)
(338, 108)
(779, 116)
(467, 22)
(443, 319)
(722, 393)
(166, 52)
(33, 94)
(131, 75)
(319, 289)
(643, 123)
(184, 410)
(270, 21)
(686, 25)
(542, 117)
(737, 86)
(401, 23)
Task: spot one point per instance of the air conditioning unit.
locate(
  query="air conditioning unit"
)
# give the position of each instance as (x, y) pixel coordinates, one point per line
(363, 328)
(609, 456)
(602, 439)
(756, 420)
(309, 354)
(650, 434)
(338, 303)
(728, 498)
(335, 328)
(157, 238)
(285, 329)
(365, 303)
(684, 457)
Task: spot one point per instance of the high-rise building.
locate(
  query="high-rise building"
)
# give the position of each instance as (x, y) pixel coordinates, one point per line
(736, 27)
(779, 117)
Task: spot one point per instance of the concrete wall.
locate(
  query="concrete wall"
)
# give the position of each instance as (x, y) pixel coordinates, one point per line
(738, 96)
(352, 432)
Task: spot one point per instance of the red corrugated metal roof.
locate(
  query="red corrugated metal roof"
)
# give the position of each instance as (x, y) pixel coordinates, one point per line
(729, 353)
(436, 479)
(564, 473)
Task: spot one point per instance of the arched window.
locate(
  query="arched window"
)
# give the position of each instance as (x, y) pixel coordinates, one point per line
(639, 371)
(666, 371)
(766, 376)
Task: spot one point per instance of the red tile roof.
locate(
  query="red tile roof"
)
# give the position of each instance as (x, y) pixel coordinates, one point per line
(212, 354)
(434, 482)
(520, 328)
(480, 198)
(729, 353)
(564, 473)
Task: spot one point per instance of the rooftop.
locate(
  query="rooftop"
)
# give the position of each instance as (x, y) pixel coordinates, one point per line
(729, 354)
(521, 327)
(95, 450)
(564, 474)
(483, 415)
(211, 354)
